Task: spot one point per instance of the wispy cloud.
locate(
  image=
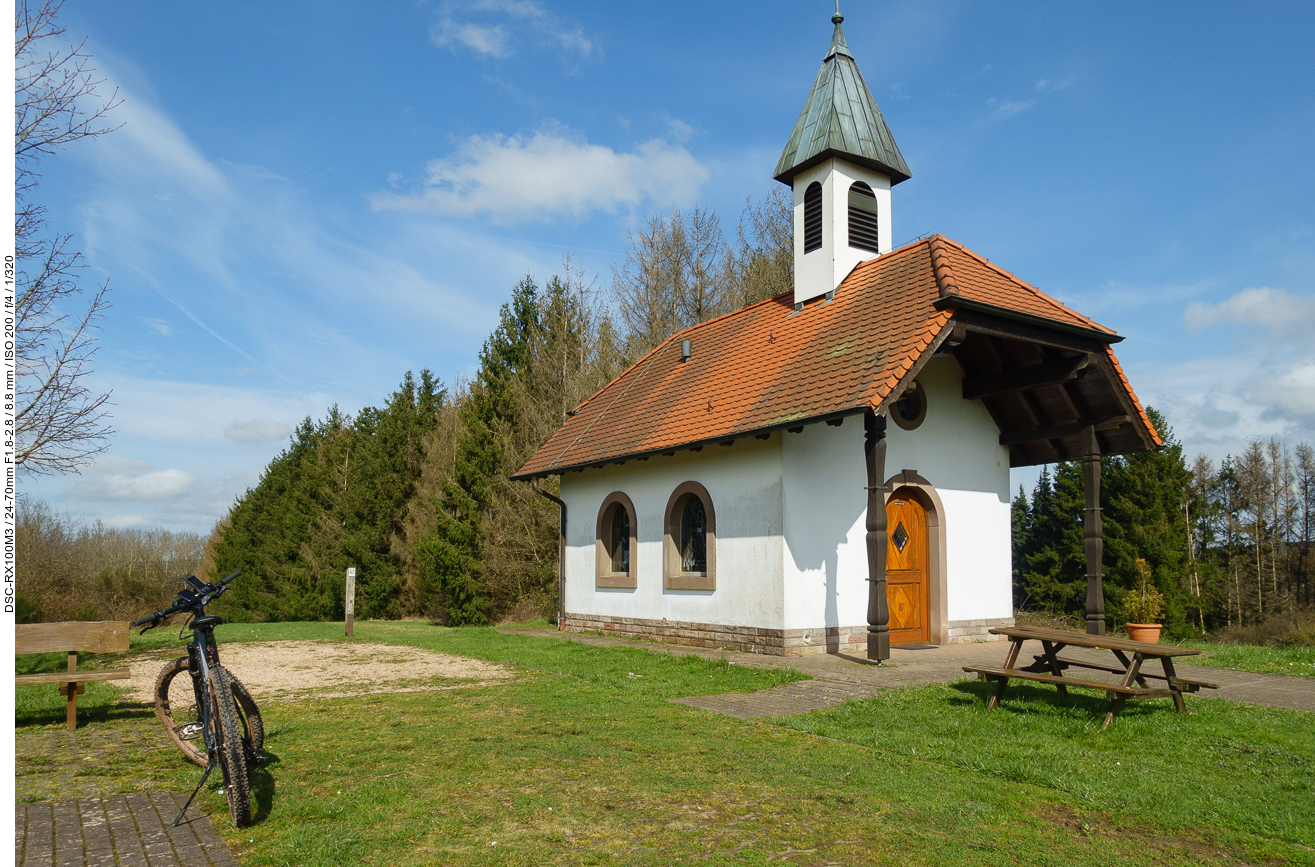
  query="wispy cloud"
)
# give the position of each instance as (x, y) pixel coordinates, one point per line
(495, 36)
(1280, 375)
(159, 326)
(1052, 85)
(551, 173)
(257, 431)
(113, 477)
(1007, 108)
(1285, 314)
(491, 41)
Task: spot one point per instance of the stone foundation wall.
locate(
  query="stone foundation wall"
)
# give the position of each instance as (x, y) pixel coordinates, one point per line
(969, 631)
(772, 642)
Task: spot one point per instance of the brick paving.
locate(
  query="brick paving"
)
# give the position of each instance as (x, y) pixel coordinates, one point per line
(71, 812)
(837, 677)
(117, 831)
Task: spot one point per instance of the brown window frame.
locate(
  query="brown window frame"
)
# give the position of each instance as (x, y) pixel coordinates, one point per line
(913, 391)
(603, 574)
(672, 577)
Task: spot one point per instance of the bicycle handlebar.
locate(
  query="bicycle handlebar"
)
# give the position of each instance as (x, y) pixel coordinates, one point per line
(186, 601)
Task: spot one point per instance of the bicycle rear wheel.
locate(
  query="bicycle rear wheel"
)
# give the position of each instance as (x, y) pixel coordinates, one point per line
(232, 753)
(176, 708)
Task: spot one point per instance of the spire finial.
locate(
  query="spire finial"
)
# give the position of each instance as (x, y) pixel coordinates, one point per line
(837, 18)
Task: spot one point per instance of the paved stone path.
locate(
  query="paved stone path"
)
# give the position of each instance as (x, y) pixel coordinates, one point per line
(839, 677)
(81, 820)
(123, 830)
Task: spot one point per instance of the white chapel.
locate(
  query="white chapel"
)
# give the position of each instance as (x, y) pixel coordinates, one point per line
(827, 471)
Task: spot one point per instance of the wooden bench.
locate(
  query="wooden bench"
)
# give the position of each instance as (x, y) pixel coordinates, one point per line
(1049, 667)
(105, 636)
(1182, 684)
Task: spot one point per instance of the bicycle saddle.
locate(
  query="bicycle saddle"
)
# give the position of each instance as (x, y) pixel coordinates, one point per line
(208, 620)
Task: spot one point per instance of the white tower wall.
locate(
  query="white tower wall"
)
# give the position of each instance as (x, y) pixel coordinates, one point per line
(820, 272)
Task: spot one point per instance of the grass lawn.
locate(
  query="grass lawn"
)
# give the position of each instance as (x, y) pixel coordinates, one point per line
(582, 760)
(1299, 661)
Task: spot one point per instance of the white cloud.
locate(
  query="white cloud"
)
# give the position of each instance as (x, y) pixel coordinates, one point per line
(1005, 109)
(489, 41)
(113, 477)
(518, 178)
(159, 326)
(1289, 391)
(257, 431)
(1052, 85)
(1288, 315)
(1278, 373)
(452, 28)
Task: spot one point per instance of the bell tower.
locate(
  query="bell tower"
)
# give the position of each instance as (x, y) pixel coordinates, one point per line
(841, 161)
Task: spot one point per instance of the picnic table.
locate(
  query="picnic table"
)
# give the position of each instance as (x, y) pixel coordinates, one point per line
(1049, 667)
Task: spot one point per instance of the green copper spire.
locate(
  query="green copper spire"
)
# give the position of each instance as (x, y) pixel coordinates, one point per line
(841, 119)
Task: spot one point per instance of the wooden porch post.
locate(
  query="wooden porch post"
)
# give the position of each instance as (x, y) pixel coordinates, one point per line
(874, 450)
(1093, 532)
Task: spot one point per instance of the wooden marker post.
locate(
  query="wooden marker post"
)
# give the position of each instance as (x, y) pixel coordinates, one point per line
(351, 599)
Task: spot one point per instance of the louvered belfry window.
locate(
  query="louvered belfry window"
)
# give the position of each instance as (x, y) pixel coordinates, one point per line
(813, 217)
(862, 218)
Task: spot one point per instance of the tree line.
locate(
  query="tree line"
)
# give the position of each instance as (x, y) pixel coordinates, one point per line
(75, 571)
(1227, 545)
(415, 493)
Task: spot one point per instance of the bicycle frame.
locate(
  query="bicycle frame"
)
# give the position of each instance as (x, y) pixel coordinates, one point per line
(202, 653)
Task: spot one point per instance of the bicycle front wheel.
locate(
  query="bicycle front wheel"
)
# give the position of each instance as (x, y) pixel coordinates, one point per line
(232, 751)
(175, 706)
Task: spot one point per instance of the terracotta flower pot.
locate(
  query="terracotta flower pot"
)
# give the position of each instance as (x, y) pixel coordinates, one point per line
(1148, 632)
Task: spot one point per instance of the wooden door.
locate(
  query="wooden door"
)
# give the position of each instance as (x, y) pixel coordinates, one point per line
(906, 571)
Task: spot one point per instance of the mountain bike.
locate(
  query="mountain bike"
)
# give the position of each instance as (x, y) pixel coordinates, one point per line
(209, 715)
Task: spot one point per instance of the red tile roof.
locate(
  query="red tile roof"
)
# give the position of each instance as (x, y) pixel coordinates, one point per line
(766, 365)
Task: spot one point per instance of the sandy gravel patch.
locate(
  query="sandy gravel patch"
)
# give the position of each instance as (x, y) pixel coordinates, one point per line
(286, 669)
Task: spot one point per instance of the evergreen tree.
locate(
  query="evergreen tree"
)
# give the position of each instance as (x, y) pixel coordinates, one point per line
(1142, 497)
(336, 497)
(449, 552)
(1054, 564)
(1021, 539)
(269, 525)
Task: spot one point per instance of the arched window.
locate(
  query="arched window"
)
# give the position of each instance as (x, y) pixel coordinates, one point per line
(616, 543)
(863, 218)
(694, 537)
(690, 543)
(813, 217)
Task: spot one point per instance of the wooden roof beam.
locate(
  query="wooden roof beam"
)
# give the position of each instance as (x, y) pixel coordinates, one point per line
(1033, 376)
(1059, 431)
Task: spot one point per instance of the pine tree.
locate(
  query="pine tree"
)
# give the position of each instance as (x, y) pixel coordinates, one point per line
(1142, 497)
(449, 552)
(1021, 540)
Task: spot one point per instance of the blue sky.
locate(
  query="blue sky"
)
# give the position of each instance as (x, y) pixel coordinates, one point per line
(306, 200)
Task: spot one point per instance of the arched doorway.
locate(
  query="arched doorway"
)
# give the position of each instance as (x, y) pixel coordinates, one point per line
(907, 570)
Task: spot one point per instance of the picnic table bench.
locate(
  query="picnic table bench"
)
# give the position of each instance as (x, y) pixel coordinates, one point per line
(1049, 667)
(104, 636)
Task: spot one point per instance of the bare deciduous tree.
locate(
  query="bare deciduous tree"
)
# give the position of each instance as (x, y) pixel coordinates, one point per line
(60, 423)
(762, 263)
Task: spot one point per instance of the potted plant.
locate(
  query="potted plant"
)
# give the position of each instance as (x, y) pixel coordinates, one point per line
(1143, 607)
